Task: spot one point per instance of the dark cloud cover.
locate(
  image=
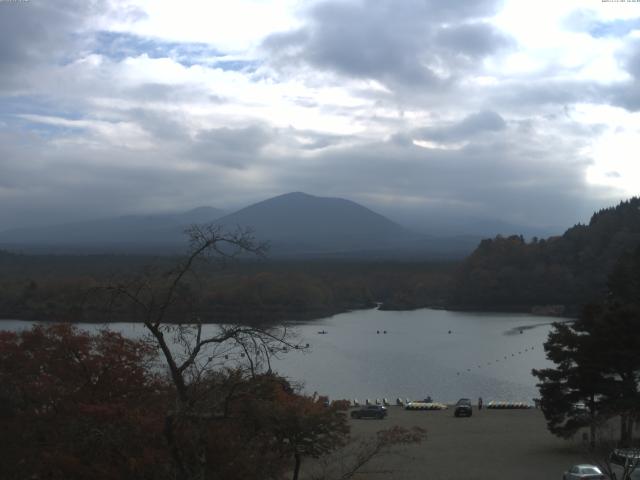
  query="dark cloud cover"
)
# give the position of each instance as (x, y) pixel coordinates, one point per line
(470, 126)
(627, 94)
(397, 43)
(231, 147)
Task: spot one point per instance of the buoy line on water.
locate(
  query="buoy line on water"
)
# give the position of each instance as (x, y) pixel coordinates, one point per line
(505, 357)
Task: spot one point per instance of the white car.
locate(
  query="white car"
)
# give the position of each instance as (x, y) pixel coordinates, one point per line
(585, 472)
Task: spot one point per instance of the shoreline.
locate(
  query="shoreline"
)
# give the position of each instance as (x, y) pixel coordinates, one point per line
(311, 316)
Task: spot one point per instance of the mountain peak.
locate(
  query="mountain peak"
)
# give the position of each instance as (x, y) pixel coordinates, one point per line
(304, 223)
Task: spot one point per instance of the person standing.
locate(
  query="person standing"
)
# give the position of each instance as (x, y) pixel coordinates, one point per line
(479, 403)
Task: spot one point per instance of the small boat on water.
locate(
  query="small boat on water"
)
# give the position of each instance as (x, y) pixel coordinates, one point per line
(322, 332)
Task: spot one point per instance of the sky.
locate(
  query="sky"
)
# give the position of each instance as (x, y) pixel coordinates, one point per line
(522, 111)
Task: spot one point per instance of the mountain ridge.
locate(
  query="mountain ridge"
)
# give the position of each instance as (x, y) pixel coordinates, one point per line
(295, 224)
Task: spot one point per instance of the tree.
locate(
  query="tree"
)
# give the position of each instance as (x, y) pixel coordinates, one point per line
(309, 427)
(167, 304)
(575, 379)
(75, 405)
(596, 360)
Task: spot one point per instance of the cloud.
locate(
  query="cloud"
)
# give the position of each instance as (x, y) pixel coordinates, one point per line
(396, 43)
(231, 147)
(472, 125)
(633, 62)
(41, 32)
(526, 178)
(627, 94)
(475, 40)
(586, 20)
(120, 45)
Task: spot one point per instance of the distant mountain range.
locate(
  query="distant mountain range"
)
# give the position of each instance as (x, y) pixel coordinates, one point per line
(119, 234)
(295, 225)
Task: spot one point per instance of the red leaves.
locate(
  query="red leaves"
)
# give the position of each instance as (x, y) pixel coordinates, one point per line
(77, 405)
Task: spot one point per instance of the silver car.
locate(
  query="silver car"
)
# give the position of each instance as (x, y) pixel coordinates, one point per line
(584, 471)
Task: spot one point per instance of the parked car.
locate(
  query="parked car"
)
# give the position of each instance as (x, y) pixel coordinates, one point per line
(370, 411)
(463, 408)
(584, 472)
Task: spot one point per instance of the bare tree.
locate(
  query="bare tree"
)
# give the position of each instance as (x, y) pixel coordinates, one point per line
(167, 304)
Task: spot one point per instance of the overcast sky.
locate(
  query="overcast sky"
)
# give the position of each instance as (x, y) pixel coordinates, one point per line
(526, 111)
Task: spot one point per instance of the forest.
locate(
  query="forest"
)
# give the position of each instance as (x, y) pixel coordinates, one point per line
(67, 288)
(565, 272)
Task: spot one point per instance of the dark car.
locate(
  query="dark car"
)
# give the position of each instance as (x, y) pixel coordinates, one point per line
(462, 408)
(370, 411)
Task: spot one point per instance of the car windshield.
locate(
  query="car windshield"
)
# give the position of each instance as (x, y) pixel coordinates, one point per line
(590, 470)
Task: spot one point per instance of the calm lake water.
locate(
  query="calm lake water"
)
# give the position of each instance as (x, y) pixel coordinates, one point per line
(486, 354)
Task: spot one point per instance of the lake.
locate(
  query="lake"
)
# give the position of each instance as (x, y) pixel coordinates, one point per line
(485, 354)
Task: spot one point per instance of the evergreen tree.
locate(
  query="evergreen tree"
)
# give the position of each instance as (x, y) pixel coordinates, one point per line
(597, 360)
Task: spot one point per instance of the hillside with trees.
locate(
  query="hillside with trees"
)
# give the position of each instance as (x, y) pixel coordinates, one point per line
(556, 275)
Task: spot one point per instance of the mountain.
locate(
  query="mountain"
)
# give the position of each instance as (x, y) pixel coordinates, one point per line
(125, 233)
(298, 224)
(567, 271)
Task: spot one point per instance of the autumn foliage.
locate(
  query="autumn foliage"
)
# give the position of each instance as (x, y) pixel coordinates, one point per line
(75, 405)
